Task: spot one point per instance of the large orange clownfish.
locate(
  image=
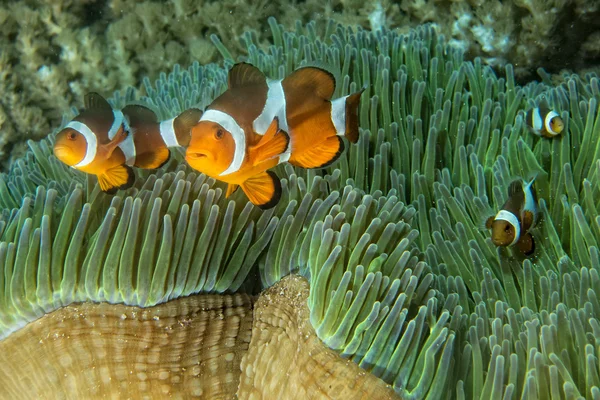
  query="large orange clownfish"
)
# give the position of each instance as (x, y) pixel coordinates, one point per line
(258, 123)
(106, 142)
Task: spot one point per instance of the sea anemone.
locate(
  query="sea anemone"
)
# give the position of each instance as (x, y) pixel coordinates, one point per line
(403, 280)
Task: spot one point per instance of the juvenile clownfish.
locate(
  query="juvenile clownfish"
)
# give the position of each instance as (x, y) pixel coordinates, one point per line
(544, 122)
(107, 142)
(519, 214)
(257, 124)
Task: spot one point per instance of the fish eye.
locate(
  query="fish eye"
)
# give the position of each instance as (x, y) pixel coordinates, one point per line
(219, 133)
(71, 135)
(507, 229)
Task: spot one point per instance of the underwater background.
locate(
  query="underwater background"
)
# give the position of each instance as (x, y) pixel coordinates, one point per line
(397, 290)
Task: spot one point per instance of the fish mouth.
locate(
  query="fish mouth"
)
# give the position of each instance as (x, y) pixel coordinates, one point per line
(61, 151)
(196, 156)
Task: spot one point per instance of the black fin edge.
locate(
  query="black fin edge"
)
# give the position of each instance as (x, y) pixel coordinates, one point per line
(276, 194)
(335, 157)
(126, 185)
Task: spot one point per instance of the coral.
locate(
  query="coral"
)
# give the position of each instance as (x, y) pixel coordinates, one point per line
(403, 281)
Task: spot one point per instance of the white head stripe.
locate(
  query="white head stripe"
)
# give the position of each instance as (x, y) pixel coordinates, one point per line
(167, 132)
(548, 120)
(338, 115)
(118, 120)
(274, 107)
(536, 119)
(511, 219)
(90, 139)
(239, 138)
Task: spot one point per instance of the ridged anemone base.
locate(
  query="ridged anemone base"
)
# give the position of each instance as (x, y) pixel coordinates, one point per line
(193, 347)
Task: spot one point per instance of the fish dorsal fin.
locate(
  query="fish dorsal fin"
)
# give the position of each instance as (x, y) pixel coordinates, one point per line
(93, 101)
(515, 188)
(137, 113)
(307, 81)
(244, 74)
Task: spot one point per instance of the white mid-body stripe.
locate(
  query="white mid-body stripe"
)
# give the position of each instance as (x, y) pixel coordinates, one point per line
(275, 106)
(167, 132)
(118, 119)
(338, 115)
(127, 146)
(511, 219)
(239, 138)
(548, 120)
(90, 139)
(536, 120)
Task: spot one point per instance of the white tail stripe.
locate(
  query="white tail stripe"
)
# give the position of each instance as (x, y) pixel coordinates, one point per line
(274, 107)
(90, 139)
(239, 138)
(536, 120)
(548, 120)
(118, 119)
(338, 115)
(511, 219)
(167, 132)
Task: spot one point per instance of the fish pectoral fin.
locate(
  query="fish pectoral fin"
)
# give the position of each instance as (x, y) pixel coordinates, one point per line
(526, 244)
(152, 160)
(108, 148)
(232, 187)
(320, 155)
(116, 178)
(263, 190)
(244, 74)
(527, 218)
(274, 143)
(184, 123)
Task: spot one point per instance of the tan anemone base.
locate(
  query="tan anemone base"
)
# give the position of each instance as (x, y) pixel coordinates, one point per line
(205, 346)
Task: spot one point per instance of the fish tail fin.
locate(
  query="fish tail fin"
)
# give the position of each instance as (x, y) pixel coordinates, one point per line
(183, 124)
(352, 102)
(117, 178)
(320, 155)
(263, 190)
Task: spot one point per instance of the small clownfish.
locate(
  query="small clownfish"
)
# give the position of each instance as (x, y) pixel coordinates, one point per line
(519, 214)
(107, 142)
(544, 122)
(261, 123)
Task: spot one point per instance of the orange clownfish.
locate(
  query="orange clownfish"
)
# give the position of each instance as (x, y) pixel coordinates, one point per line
(511, 225)
(544, 122)
(258, 123)
(107, 142)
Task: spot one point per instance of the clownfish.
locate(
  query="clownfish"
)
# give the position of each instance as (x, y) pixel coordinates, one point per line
(519, 214)
(544, 122)
(258, 123)
(107, 142)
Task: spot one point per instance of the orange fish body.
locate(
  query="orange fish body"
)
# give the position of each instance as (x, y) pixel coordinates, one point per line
(258, 123)
(107, 143)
